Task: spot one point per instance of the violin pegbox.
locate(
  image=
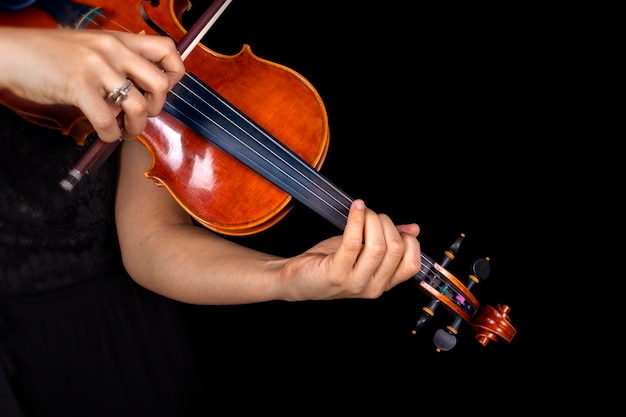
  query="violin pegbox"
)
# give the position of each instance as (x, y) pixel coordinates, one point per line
(490, 324)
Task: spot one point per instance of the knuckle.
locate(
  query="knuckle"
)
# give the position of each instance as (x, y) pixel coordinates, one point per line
(353, 245)
(378, 249)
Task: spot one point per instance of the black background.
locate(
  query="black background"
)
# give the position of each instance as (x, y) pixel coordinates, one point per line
(434, 117)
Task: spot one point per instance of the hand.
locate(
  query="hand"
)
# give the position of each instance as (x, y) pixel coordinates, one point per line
(371, 257)
(81, 68)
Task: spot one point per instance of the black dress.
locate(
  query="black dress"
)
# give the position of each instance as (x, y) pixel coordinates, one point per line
(78, 337)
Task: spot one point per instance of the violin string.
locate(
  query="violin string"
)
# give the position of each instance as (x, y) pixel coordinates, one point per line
(90, 18)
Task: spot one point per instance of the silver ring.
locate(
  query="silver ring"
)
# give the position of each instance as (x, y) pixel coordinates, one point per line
(119, 94)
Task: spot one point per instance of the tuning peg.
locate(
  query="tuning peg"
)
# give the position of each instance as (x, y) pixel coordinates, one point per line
(450, 254)
(481, 268)
(444, 340)
(427, 312)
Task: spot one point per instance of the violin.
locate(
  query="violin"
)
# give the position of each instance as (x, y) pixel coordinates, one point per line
(239, 132)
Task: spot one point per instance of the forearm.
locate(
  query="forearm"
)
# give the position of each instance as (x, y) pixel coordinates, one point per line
(190, 264)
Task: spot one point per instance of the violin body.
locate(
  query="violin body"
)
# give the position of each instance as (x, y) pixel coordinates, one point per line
(231, 198)
(220, 192)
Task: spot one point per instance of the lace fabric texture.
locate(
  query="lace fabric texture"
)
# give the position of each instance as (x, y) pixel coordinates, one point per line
(51, 238)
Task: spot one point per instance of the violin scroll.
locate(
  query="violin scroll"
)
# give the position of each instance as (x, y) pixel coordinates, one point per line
(490, 324)
(493, 324)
